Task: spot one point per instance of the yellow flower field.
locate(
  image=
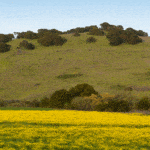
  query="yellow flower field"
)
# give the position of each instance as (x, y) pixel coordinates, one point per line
(74, 130)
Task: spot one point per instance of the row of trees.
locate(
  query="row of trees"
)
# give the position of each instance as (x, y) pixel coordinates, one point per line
(108, 27)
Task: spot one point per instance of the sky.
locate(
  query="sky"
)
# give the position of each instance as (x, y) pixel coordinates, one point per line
(63, 15)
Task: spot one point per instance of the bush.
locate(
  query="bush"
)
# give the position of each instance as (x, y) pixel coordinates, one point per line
(51, 40)
(101, 107)
(76, 34)
(118, 104)
(45, 102)
(2, 103)
(34, 103)
(21, 35)
(96, 31)
(6, 37)
(114, 37)
(59, 98)
(143, 104)
(30, 35)
(4, 47)
(80, 103)
(118, 36)
(90, 40)
(82, 90)
(26, 45)
(134, 39)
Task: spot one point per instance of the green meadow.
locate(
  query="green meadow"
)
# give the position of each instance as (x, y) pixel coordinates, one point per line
(40, 72)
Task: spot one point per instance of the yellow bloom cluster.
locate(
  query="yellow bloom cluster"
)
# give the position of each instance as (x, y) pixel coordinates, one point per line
(70, 129)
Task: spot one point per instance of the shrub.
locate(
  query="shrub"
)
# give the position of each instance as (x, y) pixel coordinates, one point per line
(102, 103)
(90, 40)
(80, 103)
(4, 47)
(143, 104)
(101, 107)
(30, 35)
(76, 34)
(51, 39)
(45, 102)
(114, 37)
(59, 98)
(96, 31)
(2, 103)
(82, 90)
(6, 37)
(26, 45)
(34, 103)
(21, 35)
(118, 104)
(134, 39)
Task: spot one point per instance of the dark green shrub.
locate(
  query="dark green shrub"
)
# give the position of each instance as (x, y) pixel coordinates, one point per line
(82, 90)
(90, 40)
(26, 45)
(30, 35)
(114, 38)
(45, 102)
(6, 37)
(134, 39)
(96, 31)
(52, 39)
(59, 98)
(21, 35)
(117, 104)
(4, 47)
(76, 34)
(101, 107)
(143, 104)
(30, 46)
(80, 103)
(2, 103)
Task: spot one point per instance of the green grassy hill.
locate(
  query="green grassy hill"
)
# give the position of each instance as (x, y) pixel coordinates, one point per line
(33, 74)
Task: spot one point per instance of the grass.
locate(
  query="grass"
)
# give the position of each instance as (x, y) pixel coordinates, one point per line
(72, 130)
(98, 64)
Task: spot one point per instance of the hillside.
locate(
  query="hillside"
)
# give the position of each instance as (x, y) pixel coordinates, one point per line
(109, 69)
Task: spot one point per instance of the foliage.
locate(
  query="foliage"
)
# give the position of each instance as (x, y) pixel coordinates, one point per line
(80, 103)
(90, 40)
(4, 47)
(6, 38)
(104, 25)
(118, 104)
(67, 76)
(34, 103)
(76, 34)
(20, 35)
(45, 102)
(26, 45)
(117, 37)
(96, 31)
(43, 32)
(30, 35)
(114, 37)
(59, 98)
(52, 39)
(134, 39)
(144, 103)
(82, 90)
(2, 103)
